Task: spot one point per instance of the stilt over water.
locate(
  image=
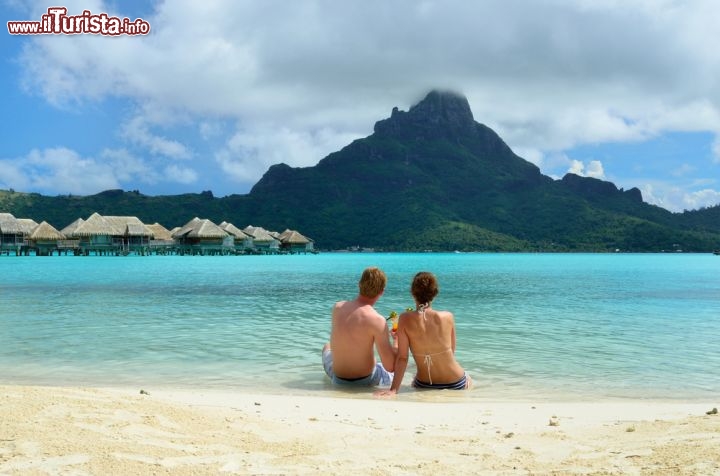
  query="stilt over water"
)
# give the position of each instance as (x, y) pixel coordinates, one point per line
(122, 236)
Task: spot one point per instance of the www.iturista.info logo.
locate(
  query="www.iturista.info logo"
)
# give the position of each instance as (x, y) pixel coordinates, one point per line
(57, 22)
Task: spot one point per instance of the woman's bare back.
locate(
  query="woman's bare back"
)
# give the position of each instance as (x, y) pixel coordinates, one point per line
(431, 336)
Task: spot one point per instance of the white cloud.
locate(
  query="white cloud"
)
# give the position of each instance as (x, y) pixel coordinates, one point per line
(137, 131)
(58, 169)
(127, 167)
(593, 169)
(210, 129)
(606, 72)
(577, 168)
(249, 152)
(61, 170)
(176, 173)
(532, 155)
(306, 82)
(702, 198)
(676, 198)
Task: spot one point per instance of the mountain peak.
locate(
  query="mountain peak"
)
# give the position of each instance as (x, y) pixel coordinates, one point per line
(596, 189)
(444, 106)
(438, 111)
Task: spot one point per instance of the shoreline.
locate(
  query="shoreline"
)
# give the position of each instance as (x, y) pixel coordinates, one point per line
(482, 393)
(313, 383)
(206, 431)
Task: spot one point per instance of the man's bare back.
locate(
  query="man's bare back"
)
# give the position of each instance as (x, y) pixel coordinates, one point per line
(357, 331)
(356, 328)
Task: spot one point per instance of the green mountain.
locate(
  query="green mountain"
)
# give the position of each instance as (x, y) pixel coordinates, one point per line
(427, 178)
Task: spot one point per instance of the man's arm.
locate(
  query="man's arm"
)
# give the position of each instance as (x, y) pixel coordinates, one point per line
(386, 351)
(401, 362)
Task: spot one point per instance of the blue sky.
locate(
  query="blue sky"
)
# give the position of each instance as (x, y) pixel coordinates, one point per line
(218, 91)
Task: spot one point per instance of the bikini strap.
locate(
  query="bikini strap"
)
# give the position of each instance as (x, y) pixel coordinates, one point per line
(422, 308)
(428, 364)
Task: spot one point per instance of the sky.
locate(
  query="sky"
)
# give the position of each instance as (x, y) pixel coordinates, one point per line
(218, 91)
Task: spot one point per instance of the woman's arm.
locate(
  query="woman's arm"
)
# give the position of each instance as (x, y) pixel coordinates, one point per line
(452, 332)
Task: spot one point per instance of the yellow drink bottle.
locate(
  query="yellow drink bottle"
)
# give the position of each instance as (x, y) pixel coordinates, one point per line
(394, 320)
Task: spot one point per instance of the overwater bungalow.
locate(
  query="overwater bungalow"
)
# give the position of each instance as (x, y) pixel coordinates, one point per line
(110, 234)
(201, 236)
(263, 241)
(161, 241)
(45, 239)
(294, 242)
(22, 236)
(11, 234)
(27, 225)
(95, 235)
(115, 235)
(68, 230)
(131, 232)
(243, 241)
(159, 233)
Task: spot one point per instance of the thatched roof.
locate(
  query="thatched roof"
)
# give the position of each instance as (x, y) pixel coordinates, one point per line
(128, 226)
(9, 224)
(207, 229)
(93, 226)
(159, 232)
(294, 238)
(132, 229)
(107, 225)
(185, 229)
(233, 230)
(200, 228)
(46, 232)
(259, 234)
(251, 230)
(27, 225)
(21, 226)
(68, 230)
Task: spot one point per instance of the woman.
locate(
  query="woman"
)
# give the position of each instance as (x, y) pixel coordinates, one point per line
(430, 336)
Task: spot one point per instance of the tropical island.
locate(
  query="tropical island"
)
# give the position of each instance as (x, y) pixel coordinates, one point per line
(430, 178)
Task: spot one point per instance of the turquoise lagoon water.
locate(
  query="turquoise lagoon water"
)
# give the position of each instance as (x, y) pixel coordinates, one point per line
(581, 326)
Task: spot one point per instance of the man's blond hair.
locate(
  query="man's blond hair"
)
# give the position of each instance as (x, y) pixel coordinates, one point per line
(372, 282)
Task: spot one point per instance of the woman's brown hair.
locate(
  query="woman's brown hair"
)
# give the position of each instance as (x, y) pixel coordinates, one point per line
(424, 287)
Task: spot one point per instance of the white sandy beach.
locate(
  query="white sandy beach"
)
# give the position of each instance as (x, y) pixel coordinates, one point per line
(60, 430)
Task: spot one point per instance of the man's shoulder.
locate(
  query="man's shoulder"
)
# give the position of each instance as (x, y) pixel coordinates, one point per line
(342, 304)
(373, 316)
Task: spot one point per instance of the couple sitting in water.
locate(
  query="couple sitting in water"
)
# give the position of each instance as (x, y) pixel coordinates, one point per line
(358, 329)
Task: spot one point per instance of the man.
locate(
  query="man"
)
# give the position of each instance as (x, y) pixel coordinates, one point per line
(357, 330)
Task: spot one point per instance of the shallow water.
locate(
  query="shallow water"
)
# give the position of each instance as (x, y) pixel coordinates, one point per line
(529, 325)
